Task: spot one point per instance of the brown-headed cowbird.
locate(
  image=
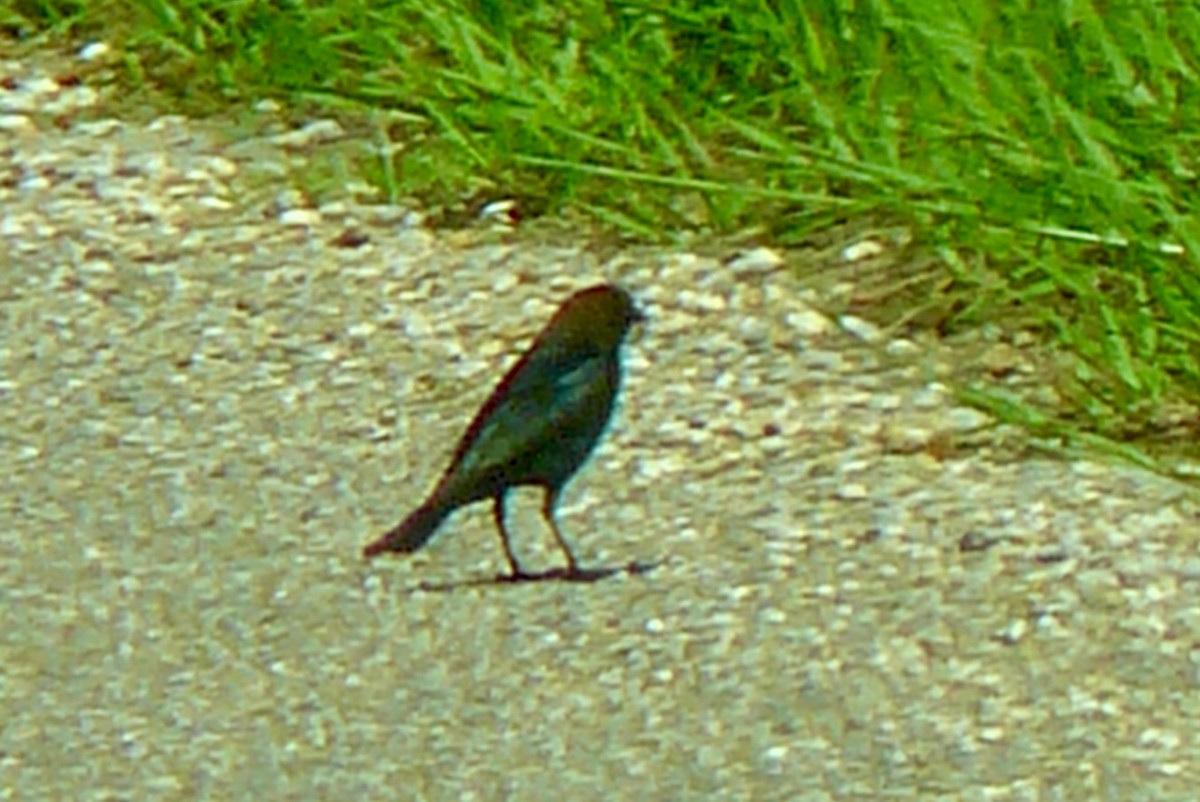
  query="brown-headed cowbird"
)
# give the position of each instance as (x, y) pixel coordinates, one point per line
(539, 425)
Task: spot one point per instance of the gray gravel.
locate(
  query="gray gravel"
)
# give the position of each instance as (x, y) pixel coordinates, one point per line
(209, 406)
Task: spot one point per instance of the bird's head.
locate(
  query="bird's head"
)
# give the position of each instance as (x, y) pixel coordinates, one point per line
(596, 318)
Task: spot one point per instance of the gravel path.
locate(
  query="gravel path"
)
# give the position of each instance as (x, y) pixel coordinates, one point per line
(210, 399)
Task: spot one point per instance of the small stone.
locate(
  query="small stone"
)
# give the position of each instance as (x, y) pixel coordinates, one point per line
(1015, 631)
(903, 439)
(34, 183)
(16, 122)
(94, 51)
(361, 330)
(335, 208)
(966, 419)
(808, 322)
(861, 250)
(860, 329)
(300, 217)
(930, 396)
(417, 325)
(991, 734)
(753, 331)
(711, 302)
(975, 540)
(215, 203)
(1187, 468)
(902, 347)
(1002, 360)
(222, 167)
(98, 267)
(773, 615)
(887, 402)
(351, 238)
(290, 198)
(505, 282)
(756, 260)
(40, 86)
(311, 134)
(776, 753)
(77, 97)
(97, 128)
(501, 212)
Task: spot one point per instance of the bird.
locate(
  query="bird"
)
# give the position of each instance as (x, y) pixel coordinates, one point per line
(537, 428)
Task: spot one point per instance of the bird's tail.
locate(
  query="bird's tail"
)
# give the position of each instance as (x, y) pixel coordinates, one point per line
(412, 533)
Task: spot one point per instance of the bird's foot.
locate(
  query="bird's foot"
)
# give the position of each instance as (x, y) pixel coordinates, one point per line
(577, 573)
(565, 574)
(514, 577)
(559, 575)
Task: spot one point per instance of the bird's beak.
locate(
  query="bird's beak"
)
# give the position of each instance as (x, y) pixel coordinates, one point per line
(636, 315)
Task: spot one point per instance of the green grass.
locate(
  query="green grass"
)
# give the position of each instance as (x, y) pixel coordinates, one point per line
(1042, 151)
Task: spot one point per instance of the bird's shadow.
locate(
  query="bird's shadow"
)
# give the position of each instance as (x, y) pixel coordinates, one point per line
(582, 576)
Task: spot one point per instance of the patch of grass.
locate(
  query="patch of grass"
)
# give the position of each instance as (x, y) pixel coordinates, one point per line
(1044, 152)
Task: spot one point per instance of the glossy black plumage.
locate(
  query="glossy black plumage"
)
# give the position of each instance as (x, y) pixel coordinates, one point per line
(538, 426)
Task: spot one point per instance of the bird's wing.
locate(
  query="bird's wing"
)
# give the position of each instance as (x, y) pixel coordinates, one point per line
(538, 398)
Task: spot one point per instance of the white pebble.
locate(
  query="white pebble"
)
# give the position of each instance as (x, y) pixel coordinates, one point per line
(861, 329)
(930, 396)
(861, 250)
(313, 133)
(757, 260)
(809, 322)
(902, 347)
(93, 51)
(15, 122)
(965, 419)
(300, 217)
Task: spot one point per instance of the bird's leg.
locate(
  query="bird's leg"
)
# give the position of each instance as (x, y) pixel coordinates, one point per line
(548, 504)
(498, 514)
